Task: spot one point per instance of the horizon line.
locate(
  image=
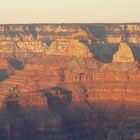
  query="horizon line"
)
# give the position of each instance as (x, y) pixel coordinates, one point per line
(59, 23)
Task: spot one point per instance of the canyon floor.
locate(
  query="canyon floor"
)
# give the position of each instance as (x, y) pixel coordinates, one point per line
(70, 82)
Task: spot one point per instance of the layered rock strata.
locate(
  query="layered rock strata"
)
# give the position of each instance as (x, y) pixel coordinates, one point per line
(58, 79)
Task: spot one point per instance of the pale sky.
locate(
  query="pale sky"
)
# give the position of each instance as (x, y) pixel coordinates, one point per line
(69, 11)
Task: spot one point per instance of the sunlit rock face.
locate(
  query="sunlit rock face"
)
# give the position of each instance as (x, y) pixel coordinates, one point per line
(124, 54)
(69, 81)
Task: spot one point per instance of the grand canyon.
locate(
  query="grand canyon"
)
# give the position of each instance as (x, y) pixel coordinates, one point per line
(70, 81)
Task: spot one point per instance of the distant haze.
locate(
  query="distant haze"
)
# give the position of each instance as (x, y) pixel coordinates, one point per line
(69, 11)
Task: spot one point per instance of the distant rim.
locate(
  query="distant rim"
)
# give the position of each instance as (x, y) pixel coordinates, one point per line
(117, 23)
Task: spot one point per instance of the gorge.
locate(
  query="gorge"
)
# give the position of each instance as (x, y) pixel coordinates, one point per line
(70, 81)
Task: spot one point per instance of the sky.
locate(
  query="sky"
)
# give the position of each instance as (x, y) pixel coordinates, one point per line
(69, 11)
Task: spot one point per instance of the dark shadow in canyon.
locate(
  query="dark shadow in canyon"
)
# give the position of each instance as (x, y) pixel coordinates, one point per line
(15, 124)
(32, 31)
(3, 75)
(47, 42)
(72, 124)
(99, 47)
(96, 30)
(58, 99)
(17, 64)
(102, 51)
(130, 132)
(136, 51)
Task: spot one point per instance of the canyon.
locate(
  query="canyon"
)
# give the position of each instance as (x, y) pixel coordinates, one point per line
(69, 81)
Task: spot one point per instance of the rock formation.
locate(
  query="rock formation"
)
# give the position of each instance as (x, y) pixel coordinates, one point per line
(68, 81)
(124, 54)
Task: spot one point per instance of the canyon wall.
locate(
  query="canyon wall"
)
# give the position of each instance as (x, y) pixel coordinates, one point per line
(64, 67)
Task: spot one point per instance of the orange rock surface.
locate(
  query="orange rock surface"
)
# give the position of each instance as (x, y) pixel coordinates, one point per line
(60, 55)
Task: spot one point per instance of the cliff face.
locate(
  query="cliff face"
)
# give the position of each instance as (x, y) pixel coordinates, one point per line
(73, 74)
